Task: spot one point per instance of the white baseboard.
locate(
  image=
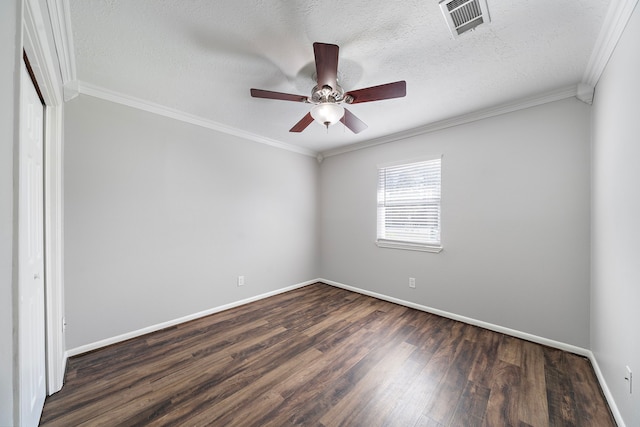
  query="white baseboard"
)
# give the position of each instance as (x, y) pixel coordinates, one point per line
(507, 331)
(605, 390)
(153, 328)
(497, 328)
(492, 327)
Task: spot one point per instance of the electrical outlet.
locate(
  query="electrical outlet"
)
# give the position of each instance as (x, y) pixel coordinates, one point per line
(412, 282)
(629, 378)
(240, 280)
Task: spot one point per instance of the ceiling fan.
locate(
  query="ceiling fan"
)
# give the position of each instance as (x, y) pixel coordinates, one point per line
(327, 96)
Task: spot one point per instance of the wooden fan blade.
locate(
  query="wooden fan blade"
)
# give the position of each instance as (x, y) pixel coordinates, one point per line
(352, 122)
(259, 93)
(302, 124)
(378, 93)
(326, 64)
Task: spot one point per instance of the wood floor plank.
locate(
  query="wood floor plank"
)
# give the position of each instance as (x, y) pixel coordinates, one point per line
(387, 396)
(347, 410)
(502, 407)
(305, 405)
(420, 392)
(261, 391)
(560, 394)
(139, 367)
(510, 350)
(533, 407)
(486, 357)
(387, 332)
(324, 356)
(426, 421)
(205, 371)
(471, 406)
(446, 396)
(239, 375)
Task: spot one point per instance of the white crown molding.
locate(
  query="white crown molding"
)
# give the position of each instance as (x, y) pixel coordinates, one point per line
(119, 98)
(70, 90)
(585, 93)
(63, 38)
(556, 95)
(616, 20)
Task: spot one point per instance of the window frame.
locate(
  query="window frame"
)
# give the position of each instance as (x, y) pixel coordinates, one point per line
(407, 244)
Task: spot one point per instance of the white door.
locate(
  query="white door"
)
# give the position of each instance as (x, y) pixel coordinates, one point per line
(31, 338)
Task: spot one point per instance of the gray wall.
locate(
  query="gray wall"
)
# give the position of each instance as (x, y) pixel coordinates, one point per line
(162, 216)
(515, 222)
(10, 53)
(615, 315)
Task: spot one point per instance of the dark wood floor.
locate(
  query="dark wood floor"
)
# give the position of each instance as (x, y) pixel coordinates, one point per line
(323, 356)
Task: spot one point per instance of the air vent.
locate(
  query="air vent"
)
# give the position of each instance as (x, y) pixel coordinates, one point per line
(464, 15)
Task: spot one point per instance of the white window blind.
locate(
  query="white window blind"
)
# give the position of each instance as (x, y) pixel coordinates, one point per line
(409, 206)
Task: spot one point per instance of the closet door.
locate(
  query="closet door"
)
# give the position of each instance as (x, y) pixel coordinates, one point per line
(31, 326)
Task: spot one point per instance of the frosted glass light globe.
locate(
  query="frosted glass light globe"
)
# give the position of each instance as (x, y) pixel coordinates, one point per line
(327, 113)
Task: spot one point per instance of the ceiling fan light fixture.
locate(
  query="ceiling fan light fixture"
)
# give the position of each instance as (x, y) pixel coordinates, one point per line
(327, 113)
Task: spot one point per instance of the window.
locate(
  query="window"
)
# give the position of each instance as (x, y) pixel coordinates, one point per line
(409, 206)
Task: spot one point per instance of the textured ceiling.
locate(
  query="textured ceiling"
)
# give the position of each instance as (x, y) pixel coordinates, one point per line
(202, 57)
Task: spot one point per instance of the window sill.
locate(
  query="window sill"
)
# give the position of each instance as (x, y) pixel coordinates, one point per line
(408, 246)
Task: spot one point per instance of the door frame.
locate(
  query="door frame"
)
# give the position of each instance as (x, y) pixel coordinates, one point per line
(40, 52)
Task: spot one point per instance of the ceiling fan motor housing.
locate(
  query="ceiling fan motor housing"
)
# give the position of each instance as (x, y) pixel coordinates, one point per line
(327, 94)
